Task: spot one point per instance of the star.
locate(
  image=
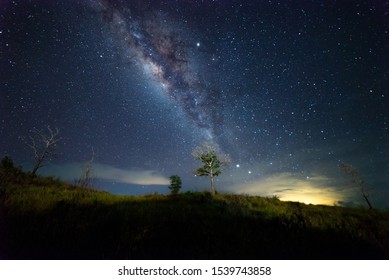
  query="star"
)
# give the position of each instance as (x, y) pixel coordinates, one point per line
(143, 84)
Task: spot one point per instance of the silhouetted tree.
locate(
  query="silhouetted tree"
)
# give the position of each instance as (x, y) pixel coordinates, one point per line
(175, 184)
(212, 163)
(7, 163)
(9, 172)
(357, 180)
(43, 146)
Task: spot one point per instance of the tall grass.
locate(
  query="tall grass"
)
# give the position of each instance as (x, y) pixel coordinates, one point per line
(47, 218)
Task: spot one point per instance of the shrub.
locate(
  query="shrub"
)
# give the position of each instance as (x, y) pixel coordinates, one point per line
(175, 184)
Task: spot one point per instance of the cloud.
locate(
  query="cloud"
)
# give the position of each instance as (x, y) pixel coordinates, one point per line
(73, 171)
(130, 176)
(289, 187)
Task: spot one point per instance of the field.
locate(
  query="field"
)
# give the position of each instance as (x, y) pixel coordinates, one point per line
(44, 218)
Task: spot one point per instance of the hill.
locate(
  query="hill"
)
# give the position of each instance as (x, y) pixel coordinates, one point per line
(44, 218)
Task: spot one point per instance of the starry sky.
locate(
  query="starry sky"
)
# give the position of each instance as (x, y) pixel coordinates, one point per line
(288, 89)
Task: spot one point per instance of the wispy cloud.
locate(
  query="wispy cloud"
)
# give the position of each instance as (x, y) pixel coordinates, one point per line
(136, 176)
(289, 187)
(130, 176)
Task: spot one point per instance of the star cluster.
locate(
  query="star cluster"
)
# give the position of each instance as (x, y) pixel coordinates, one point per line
(289, 90)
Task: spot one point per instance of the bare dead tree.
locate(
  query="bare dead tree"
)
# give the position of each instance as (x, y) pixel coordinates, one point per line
(357, 180)
(43, 145)
(86, 176)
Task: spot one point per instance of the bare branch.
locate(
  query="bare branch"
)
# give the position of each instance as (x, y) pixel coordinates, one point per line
(86, 176)
(357, 180)
(43, 146)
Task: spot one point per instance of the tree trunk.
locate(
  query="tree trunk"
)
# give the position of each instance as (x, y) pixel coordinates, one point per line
(38, 163)
(212, 187)
(367, 199)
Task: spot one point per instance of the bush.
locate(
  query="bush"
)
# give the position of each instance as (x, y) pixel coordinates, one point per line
(175, 184)
(9, 173)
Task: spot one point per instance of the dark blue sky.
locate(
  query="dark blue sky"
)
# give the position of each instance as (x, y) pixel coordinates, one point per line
(289, 89)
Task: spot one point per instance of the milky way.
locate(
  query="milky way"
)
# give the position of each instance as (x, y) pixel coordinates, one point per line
(164, 52)
(289, 89)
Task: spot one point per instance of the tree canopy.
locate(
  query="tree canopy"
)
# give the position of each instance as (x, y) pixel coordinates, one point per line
(212, 162)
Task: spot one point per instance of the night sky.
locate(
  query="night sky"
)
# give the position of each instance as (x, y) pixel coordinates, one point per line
(289, 89)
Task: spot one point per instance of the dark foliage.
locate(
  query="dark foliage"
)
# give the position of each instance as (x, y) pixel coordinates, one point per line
(175, 184)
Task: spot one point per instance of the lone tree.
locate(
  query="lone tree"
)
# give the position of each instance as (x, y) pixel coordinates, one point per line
(212, 163)
(357, 180)
(175, 184)
(43, 146)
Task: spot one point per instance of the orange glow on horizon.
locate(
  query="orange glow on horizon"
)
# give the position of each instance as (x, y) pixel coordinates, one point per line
(287, 187)
(310, 199)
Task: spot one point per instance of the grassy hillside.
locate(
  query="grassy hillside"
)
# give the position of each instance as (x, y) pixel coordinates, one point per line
(43, 218)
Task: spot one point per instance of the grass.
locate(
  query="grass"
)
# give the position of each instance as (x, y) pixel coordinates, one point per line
(45, 218)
